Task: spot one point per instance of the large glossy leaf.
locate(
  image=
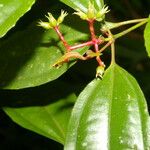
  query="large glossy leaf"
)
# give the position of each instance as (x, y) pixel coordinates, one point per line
(45, 110)
(27, 57)
(83, 4)
(11, 11)
(110, 114)
(147, 37)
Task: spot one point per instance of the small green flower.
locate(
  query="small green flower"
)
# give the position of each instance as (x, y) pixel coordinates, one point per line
(101, 14)
(45, 25)
(81, 14)
(52, 20)
(92, 13)
(61, 17)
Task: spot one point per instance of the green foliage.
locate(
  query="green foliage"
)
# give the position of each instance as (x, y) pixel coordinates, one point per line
(110, 114)
(11, 11)
(83, 4)
(147, 37)
(50, 120)
(30, 60)
(46, 113)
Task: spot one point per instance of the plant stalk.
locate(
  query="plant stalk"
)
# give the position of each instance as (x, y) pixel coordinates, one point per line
(105, 46)
(129, 29)
(62, 38)
(95, 41)
(113, 53)
(116, 25)
(89, 43)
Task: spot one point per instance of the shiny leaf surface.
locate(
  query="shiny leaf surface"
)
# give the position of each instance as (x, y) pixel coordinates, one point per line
(44, 110)
(11, 11)
(147, 37)
(110, 114)
(83, 4)
(27, 57)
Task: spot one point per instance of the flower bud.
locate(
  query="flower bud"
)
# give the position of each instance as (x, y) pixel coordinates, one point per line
(52, 20)
(91, 11)
(100, 71)
(101, 14)
(81, 14)
(45, 25)
(61, 17)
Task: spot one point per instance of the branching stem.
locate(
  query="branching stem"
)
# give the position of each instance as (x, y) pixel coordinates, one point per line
(88, 43)
(97, 41)
(93, 37)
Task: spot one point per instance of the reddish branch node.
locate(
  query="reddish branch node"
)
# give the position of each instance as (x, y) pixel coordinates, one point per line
(95, 41)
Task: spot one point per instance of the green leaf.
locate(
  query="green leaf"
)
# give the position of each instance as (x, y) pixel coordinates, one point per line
(83, 4)
(110, 114)
(27, 57)
(45, 111)
(147, 37)
(11, 11)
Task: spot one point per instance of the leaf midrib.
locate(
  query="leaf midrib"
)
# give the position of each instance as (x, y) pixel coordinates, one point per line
(34, 126)
(110, 105)
(56, 123)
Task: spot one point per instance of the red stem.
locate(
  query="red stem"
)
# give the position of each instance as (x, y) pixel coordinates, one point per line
(95, 41)
(69, 48)
(92, 31)
(81, 45)
(56, 28)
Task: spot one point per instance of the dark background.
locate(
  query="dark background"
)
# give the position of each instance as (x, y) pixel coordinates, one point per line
(131, 55)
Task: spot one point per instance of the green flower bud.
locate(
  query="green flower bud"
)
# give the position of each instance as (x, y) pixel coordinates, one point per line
(81, 14)
(52, 20)
(101, 14)
(91, 11)
(45, 25)
(100, 71)
(61, 17)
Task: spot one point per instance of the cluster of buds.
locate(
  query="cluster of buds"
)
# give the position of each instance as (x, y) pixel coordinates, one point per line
(52, 22)
(92, 13)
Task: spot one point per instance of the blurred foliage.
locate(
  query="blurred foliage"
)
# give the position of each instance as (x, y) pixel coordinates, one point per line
(130, 52)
